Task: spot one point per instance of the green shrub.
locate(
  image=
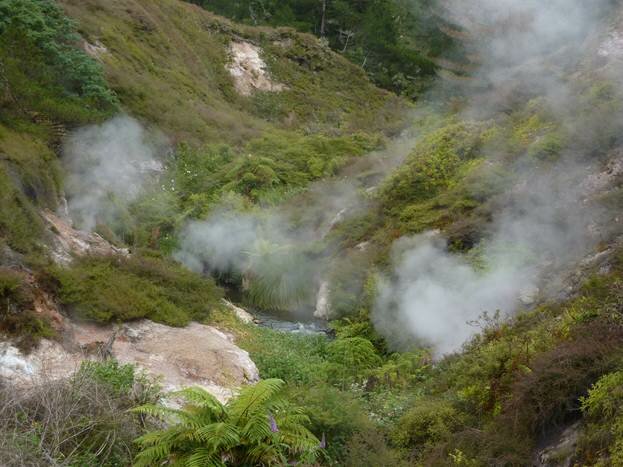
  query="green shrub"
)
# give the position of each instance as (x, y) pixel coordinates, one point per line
(274, 164)
(428, 422)
(44, 66)
(603, 406)
(120, 289)
(434, 164)
(120, 378)
(370, 449)
(337, 413)
(355, 354)
(297, 359)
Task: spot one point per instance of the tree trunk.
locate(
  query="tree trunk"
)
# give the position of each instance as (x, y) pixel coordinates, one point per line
(323, 18)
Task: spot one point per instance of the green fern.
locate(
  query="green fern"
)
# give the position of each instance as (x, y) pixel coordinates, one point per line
(258, 427)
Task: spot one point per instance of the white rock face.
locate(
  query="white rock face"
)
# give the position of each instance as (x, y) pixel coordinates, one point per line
(249, 70)
(68, 241)
(196, 355)
(95, 50)
(322, 301)
(242, 314)
(612, 47)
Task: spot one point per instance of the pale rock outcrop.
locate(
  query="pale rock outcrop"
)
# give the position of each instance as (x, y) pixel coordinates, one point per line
(249, 70)
(240, 313)
(68, 241)
(95, 50)
(196, 355)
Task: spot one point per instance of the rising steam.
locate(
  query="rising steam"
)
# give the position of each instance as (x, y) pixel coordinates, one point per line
(524, 48)
(108, 166)
(433, 295)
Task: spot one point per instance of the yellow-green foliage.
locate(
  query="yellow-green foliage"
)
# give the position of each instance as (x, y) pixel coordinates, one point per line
(429, 421)
(119, 289)
(434, 164)
(604, 408)
(166, 61)
(354, 353)
(267, 168)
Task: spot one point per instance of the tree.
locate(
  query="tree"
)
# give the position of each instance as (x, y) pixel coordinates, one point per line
(258, 427)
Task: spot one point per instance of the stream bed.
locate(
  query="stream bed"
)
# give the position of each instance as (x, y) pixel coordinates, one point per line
(291, 324)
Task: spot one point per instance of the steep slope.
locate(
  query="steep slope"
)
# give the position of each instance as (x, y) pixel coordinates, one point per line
(167, 62)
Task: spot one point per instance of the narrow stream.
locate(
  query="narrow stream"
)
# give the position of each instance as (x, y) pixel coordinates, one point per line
(286, 324)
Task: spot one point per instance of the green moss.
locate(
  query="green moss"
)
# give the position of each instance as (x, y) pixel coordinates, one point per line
(119, 289)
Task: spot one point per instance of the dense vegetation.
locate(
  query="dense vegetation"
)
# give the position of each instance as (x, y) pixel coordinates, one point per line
(119, 289)
(344, 399)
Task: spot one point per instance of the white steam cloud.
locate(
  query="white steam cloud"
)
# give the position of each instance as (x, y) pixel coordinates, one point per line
(108, 166)
(433, 295)
(225, 241)
(275, 245)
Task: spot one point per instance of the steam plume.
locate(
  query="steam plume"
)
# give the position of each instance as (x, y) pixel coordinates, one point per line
(107, 167)
(525, 48)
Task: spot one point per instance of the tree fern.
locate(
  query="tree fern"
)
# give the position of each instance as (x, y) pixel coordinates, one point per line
(256, 428)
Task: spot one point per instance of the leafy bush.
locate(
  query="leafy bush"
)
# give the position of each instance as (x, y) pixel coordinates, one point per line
(257, 427)
(275, 163)
(603, 406)
(44, 66)
(354, 354)
(120, 289)
(297, 359)
(428, 422)
(434, 163)
(336, 413)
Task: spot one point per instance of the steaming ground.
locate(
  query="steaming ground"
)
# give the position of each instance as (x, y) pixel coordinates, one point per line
(545, 224)
(433, 297)
(278, 245)
(108, 166)
(542, 225)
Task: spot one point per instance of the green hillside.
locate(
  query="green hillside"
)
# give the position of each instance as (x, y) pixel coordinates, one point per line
(461, 242)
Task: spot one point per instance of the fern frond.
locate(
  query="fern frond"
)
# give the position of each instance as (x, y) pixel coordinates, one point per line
(202, 398)
(203, 458)
(218, 435)
(253, 399)
(265, 454)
